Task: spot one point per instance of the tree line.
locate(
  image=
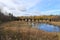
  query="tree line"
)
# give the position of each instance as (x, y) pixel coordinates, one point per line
(6, 18)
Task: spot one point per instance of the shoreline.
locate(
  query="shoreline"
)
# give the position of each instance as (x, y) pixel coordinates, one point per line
(54, 23)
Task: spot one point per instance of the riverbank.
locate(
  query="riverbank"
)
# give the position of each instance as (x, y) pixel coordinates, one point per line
(56, 23)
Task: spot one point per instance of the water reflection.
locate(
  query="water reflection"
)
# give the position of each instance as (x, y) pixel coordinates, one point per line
(46, 27)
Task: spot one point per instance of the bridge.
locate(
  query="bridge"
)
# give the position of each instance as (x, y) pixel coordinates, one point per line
(31, 20)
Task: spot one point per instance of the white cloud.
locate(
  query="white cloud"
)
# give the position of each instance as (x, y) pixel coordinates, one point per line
(17, 6)
(20, 7)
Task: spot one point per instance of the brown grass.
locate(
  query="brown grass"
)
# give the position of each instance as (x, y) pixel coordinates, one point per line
(24, 33)
(55, 23)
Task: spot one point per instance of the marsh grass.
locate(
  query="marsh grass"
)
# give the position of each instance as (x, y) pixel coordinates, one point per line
(11, 31)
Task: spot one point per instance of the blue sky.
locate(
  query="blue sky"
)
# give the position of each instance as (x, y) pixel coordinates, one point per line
(46, 5)
(30, 7)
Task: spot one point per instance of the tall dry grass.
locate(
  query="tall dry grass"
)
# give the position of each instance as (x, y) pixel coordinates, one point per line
(24, 33)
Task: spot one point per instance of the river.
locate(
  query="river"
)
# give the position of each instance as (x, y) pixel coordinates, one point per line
(46, 27)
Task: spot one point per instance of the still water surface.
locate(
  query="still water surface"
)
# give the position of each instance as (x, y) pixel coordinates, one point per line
(46, 27)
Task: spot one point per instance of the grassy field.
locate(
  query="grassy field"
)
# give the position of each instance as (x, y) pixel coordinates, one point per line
(17, 30)
(59, 35)
(55, 23)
